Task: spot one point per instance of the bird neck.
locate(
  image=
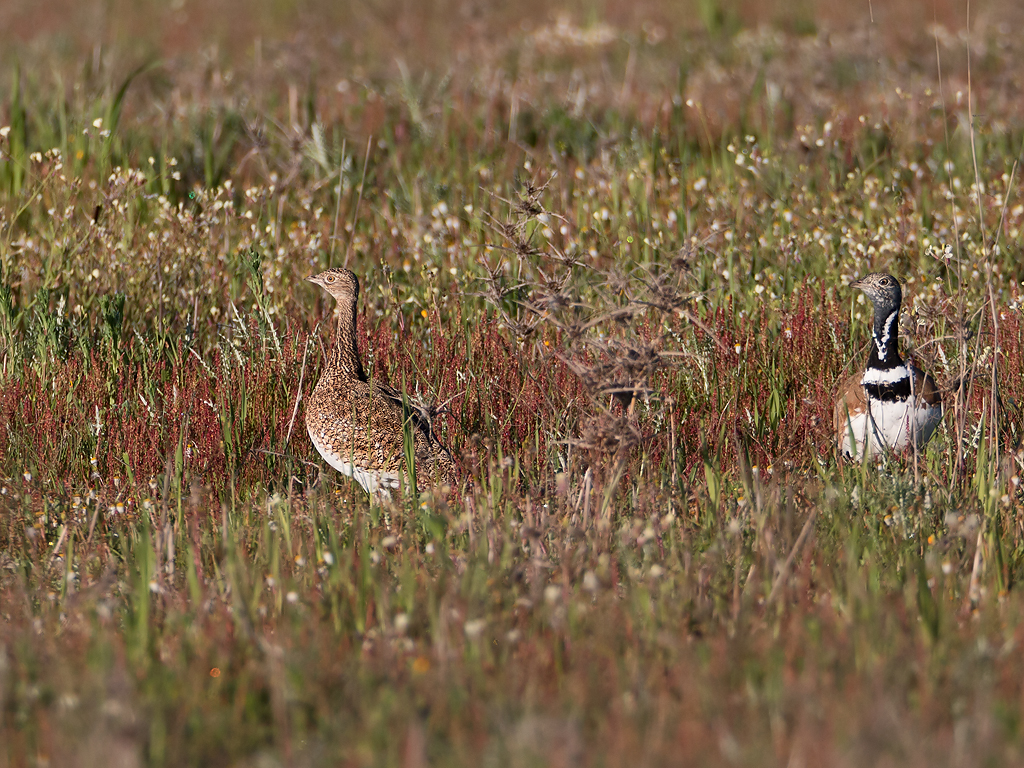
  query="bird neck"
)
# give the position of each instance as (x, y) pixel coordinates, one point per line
(345, 355)
(885, 353)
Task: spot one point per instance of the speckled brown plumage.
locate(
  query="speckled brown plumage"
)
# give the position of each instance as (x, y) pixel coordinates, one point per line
(358, 425)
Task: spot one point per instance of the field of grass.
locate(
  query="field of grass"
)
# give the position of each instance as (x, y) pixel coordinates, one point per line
(549, 209)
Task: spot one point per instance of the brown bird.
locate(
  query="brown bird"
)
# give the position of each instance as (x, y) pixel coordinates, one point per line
(360, 426)
(891, 404)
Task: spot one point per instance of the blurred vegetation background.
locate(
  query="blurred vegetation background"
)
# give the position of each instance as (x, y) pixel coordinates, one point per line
(614, 241)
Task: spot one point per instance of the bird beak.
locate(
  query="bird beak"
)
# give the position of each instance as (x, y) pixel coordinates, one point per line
(855, 284)
(313, 279)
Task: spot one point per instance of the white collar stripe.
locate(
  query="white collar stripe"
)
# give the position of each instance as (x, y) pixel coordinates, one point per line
(884, 341)
(890, 376)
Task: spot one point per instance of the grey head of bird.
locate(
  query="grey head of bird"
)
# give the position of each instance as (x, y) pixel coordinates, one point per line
(339, 282)
(883, 290)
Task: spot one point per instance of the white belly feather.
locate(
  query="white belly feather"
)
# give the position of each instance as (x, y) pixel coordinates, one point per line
(893, 424)
(373, 481)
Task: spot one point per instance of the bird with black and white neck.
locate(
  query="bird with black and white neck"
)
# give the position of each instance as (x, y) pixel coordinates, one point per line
(891, 405)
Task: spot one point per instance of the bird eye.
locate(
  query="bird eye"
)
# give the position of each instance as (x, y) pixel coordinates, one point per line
(329, 278)
(886, 281)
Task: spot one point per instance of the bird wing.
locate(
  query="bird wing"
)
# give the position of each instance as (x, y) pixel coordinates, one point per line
(925, 388)
(430, 452)
(410, 409)
(853, 400)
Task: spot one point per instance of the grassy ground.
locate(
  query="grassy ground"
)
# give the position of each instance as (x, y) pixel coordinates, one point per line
(546, 209)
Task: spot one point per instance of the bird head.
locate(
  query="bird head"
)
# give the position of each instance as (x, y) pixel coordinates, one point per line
(883, 290)
(340, 283)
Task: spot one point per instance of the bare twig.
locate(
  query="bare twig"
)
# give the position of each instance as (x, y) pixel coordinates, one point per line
(298, 393)
(359, 200)
(337, 206)
(804, 533)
